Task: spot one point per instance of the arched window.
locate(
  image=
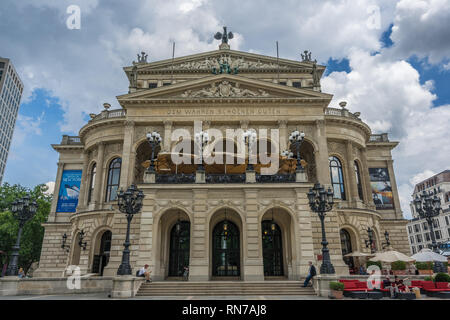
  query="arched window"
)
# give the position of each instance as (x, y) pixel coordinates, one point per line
(346, 245)
(337, 179)
(92, 183)
(358, 181)
(113, 179)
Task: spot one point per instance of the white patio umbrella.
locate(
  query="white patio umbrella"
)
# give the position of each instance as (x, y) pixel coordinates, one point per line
(358, 254)
(391, 256)
(426, 255)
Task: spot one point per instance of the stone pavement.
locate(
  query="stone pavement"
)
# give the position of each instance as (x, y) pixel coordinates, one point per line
(101, 296)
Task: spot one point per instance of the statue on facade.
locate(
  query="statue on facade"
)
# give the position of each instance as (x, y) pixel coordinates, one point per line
(133, 77)
(224, 36)
(316, 76)
(306, 57)
(142, 58)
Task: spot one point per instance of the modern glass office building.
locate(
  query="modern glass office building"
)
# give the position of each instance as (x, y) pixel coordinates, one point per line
(11, 88)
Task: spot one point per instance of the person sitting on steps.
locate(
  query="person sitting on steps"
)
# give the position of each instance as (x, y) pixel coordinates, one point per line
(145, 272)
(312, 272)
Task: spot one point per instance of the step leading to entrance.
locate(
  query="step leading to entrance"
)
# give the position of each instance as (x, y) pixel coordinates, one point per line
(224, 288)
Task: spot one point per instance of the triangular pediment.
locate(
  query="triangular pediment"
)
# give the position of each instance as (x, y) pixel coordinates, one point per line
(243, 61)
(220, 87)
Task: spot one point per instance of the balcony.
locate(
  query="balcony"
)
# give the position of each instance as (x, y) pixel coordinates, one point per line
(342, 113)
(183, 178)
(383, 137)
(70, 140)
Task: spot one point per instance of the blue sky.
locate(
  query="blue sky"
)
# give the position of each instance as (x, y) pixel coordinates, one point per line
(390, 60)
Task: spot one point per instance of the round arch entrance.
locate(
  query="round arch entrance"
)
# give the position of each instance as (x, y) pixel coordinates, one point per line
(272, 249)
(226, 253)
(346, 245)
(179, 248)
(102, 252)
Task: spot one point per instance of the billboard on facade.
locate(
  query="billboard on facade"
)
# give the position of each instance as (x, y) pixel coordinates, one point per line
(381, 188)
(69, 190)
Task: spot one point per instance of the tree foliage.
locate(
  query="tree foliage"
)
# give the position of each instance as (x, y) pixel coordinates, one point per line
(33, 232)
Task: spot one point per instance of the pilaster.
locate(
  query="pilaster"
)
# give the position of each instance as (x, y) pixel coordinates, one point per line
(253, 261)
(323, 176)
(84, 182)
(282, 127)
(199, 259)
(99, 174)
(52, 215)
(167, 135)
(397, 208)
(127, 165)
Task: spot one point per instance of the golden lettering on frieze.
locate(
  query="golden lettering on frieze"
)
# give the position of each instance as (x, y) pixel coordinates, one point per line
(225, 112)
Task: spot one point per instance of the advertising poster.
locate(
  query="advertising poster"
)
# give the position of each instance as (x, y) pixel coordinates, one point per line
(381, 188)
(69, 191)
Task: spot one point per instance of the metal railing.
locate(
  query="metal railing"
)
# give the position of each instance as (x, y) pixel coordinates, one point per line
(225, 178)
(276, 178)
(175, 178)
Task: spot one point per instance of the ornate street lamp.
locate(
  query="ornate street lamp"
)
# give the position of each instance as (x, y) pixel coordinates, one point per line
(370, 241)
(387, 243)
(80, 242)
(250, 139)
(321, 201)
(296, 138)
(429, 207)
(63, 245)
(154, 139)
(202, 139)
(130, 203)
(23, 210)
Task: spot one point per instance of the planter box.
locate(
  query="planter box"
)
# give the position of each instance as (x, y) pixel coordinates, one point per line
(427, 272)
(337, 294)
(399, 272)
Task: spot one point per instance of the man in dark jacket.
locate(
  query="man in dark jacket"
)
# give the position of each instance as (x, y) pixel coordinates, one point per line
(311, 274)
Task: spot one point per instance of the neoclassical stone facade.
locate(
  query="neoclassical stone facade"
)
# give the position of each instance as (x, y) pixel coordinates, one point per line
(272, 231)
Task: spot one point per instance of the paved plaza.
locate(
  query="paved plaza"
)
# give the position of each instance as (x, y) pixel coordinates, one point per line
(101, 296)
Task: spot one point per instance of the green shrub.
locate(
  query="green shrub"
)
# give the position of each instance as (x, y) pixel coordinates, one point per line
(424, 265)
(337, 286)
(374, 263)
(398, 265)
(442, 277)
(428, 278)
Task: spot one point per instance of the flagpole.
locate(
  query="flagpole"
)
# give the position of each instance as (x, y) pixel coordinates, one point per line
(278, 65)
(173, 57)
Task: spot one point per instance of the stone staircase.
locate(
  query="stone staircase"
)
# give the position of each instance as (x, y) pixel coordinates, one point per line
(224, 288)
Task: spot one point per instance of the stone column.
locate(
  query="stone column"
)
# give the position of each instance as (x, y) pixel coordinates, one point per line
(99, 175)
(323, 172)
(253, 268)
(304, 236)
(352, 190)
(52, 215)
(282, 126)
(127, 165)
(85, 177)
(365, 177)
(397, 208)
(199, 258)
(167, 135)
(146, 253)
